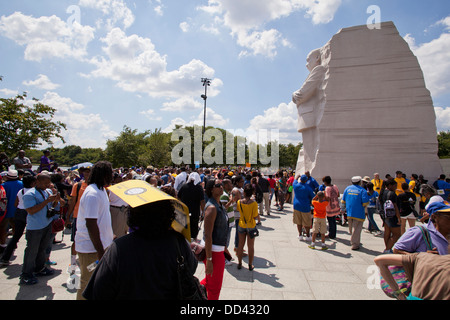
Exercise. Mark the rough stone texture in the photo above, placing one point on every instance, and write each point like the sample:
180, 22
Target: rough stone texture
378, 115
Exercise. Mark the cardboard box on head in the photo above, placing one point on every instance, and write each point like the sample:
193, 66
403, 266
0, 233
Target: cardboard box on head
137, 193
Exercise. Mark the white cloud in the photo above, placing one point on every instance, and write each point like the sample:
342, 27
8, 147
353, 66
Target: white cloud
42, 82
434, 58
87, 130
9, 92
442, 118
282, 117
47, 37
321, 11
116, 10
136, 66
184, 26
182, 104
246, 20
150, 115
212, 119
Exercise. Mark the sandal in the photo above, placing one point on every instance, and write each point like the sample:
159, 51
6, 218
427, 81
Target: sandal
251, 267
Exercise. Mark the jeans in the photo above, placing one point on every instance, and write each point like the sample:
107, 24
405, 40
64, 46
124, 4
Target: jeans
34, 257
236, 237
19, 227
332, 227
372, 224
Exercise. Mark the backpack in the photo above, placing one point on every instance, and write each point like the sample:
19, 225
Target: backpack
389, 209
417, 187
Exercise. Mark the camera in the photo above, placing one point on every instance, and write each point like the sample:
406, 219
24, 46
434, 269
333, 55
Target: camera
51, 212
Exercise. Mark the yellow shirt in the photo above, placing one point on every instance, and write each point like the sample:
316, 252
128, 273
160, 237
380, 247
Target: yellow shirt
412, 185
377, 184
248, 212
399, 185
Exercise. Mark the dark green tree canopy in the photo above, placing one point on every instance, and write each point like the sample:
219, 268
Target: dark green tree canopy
26, 127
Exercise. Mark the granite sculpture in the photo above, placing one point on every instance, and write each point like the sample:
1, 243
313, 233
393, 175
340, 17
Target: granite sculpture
365, 108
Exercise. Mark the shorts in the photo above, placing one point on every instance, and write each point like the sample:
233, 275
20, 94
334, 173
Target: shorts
302, 218
392, 222
409, 216
244, 230
320, 225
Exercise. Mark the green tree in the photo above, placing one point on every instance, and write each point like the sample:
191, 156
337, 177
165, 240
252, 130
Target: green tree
157, 150
24, 127
444, 144
127, 149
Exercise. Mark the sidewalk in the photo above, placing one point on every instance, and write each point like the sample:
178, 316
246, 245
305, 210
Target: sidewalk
285, 268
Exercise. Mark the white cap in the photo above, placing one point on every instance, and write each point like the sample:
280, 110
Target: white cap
356, 179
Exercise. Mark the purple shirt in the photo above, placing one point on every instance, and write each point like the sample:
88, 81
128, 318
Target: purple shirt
412, 240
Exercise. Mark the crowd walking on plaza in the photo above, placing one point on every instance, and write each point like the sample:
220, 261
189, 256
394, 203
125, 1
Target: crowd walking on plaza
124, 252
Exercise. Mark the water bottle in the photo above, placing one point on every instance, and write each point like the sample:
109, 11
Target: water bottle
92, 266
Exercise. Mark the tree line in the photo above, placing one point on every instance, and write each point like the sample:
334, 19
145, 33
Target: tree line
25, 127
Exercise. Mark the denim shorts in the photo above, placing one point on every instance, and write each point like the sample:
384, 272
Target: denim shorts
392, 222
245, 230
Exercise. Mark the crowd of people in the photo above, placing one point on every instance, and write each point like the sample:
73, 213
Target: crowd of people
110, 237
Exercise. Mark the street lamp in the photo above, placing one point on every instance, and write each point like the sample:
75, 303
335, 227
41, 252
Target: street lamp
206, 83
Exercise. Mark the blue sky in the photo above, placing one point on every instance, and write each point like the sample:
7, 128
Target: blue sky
104, 64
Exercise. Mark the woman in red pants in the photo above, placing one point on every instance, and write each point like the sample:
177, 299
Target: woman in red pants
215, 238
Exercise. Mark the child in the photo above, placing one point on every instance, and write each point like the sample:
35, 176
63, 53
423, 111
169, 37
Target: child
320, 203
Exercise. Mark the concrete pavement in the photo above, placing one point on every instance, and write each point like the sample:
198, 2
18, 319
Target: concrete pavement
285, 268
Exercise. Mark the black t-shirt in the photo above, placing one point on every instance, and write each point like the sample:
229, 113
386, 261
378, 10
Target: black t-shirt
137, 268
191, 195
388, 195
405, 203
264, 184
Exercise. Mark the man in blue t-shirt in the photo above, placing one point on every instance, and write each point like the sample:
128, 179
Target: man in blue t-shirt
38, 203
443, 187
355, 199
302, 217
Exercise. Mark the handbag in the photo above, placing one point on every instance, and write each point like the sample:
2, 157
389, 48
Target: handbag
189, 287
253, 233
58, 225
198, 250
399, 274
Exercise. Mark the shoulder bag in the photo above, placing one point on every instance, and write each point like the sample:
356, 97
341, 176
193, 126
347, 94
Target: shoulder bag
399, 274
189, 287
253, 233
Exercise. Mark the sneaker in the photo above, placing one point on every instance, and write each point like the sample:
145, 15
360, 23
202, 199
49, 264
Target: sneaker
300, 238
28, 280
312, 246
45, 272
50, 263
308, 239
324, 247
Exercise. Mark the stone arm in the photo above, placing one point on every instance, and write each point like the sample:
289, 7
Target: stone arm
309, 88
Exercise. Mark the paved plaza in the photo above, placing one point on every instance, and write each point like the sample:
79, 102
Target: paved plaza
285, 268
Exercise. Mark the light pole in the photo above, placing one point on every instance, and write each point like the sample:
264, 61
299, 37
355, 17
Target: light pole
206, 83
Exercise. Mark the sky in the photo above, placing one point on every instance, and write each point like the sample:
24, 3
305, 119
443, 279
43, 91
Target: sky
106, 64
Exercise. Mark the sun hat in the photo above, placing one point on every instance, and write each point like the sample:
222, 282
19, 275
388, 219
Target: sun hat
12, 174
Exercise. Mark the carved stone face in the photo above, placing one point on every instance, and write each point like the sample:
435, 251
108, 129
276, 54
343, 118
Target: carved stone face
313, 60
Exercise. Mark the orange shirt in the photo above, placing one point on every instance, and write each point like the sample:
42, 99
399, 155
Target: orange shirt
74, 194
320, 209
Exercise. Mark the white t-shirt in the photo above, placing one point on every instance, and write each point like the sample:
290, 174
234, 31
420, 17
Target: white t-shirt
94, 204
20, 195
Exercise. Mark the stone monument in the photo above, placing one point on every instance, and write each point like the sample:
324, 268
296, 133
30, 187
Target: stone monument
365, 108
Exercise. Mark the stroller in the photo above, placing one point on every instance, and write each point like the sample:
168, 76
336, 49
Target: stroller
341, 218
